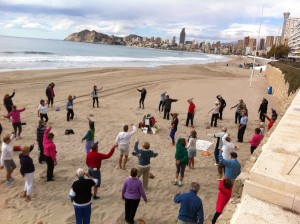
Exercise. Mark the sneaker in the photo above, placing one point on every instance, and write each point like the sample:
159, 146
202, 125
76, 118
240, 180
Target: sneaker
175, 182
9, 182
180, 184
216, 164
95, 197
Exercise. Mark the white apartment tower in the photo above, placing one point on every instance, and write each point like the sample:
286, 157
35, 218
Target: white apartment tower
294, 42
288, 27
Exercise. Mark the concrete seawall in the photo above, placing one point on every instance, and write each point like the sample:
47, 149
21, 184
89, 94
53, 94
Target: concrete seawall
268, 189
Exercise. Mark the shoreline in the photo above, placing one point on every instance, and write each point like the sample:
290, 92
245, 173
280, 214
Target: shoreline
118, 106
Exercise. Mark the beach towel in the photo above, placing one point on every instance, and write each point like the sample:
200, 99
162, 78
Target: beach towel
203, 145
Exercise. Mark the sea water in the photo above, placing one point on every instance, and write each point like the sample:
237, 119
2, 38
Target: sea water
28, 53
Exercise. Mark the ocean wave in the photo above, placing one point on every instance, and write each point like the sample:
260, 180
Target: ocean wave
27, 52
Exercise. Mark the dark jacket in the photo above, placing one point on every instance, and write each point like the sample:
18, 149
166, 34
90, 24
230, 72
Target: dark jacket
81, 190
40, 133
143, 93
144, 155
222, 102
168, 103
181, 153
263, 108
26, 162
7, 101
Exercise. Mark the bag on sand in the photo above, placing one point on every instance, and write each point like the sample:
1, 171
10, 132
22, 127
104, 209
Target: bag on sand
69, 132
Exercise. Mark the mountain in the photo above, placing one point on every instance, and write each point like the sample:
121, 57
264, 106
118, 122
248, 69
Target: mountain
95, 37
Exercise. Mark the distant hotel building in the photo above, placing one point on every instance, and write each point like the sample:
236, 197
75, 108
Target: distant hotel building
262, 44
288, 27
182, 36
246, 41
277, 41
294, 42
269, 42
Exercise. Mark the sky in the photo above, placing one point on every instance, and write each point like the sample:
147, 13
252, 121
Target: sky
203, 20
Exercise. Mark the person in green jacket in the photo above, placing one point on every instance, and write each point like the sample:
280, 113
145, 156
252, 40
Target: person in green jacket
89, 136
182, 160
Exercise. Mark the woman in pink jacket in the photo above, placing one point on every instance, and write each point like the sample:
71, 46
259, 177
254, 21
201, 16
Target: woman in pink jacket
16, 120
49, 152
256, 139
225, 190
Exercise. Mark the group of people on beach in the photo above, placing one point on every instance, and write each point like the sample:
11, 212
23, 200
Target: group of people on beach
191, 208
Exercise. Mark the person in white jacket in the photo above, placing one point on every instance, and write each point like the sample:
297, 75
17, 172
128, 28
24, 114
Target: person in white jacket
123, 141
7, 157
227, 148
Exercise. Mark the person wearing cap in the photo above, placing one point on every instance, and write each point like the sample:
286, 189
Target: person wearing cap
232, 166
215, 114
144, 156
123, 141
93, 161
222, 103
162, 101
81, 196
94, 95
242, 127
174, 125
168, 103
89, 136
143, 96
191, 113
241, 106
191, 207
27, 170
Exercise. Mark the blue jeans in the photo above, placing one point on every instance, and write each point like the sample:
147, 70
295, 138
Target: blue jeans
172, 135
83, 214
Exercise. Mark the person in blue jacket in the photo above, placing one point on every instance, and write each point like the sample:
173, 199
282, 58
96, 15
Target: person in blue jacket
191, 207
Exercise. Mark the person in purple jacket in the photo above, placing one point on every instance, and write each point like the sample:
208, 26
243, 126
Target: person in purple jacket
132, 192
27, 170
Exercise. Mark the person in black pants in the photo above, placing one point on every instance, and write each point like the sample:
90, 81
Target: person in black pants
215, 114
162, 102
49, 152
191, 113
263, 108
50, 94
222, 106
242, 127
7, 101
39, 138
69, 107
143, 96
168, 103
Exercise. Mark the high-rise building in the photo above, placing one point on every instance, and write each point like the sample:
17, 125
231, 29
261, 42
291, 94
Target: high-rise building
262, 44
288, 27
246, 41
277, 41
182, 36
174, 40
157, 40
252, 43
240, 45
151, 39
269, 42
294, 42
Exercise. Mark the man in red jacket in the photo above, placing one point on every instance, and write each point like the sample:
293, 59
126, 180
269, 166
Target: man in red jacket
93, 161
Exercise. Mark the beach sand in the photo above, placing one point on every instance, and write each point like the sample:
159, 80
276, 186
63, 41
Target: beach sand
118, 106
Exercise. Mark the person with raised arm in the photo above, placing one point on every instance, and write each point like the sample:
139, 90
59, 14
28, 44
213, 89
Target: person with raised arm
7, 101
168, 103
123, 141
215, 114
94, 95
93, 161
162, 102
143, 96
16, 120
89, 136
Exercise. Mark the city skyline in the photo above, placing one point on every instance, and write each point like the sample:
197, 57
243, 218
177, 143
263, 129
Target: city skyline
221, 21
